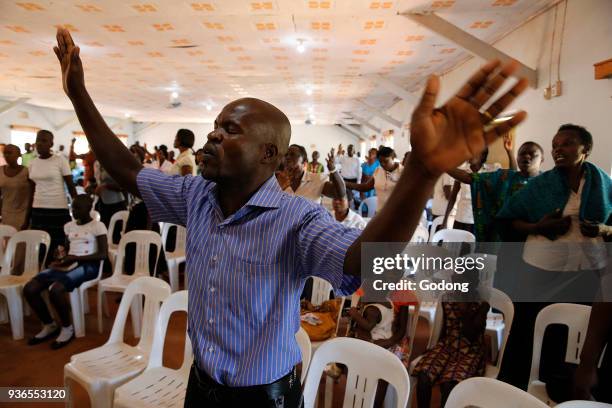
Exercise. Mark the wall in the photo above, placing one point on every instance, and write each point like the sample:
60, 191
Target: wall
585, 101
45, 118
313, 137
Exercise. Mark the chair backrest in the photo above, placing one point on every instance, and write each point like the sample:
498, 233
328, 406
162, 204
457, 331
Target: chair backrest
438, 222
321, 290
367, 363
575, 317
413, 321
583, 404
487, 274
453, 235
306, 349
6, 232
487, 392
118, 217
143, 241
174, 303
370, 203
155, 291
420, 234
180, 241
95, 215
32, 239
502, 302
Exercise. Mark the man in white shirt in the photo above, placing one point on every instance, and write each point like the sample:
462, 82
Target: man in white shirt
350, 170
347, 217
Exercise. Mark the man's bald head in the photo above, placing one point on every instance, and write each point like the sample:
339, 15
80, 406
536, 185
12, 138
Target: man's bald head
249, 141
265, 121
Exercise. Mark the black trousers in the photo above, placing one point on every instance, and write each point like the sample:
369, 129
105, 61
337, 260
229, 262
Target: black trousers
204, 392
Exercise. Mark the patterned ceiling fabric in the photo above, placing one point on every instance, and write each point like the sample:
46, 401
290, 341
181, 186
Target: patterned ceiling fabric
137, 53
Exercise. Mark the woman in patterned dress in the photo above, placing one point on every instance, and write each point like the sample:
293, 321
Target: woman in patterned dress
459, 354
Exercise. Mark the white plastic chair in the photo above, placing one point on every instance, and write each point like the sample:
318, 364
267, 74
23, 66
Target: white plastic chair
176, 257
321, 290
101, 370
576, 318
118, 217
79, 302
6, 232
370, 203
420, 234
583, 404
502, 302
454, 239
437, 222
11, 286
496, 322
118, 282
306, 349
366, 363
489, 393
95, 215
159, 386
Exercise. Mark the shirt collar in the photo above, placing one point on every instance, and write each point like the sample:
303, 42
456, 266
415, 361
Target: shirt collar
268, 195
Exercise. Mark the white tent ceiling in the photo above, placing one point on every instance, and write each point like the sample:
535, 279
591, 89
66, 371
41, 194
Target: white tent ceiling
137, 53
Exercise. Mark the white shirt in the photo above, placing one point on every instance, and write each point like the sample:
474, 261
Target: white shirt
350, 167
354, 220
184, 159
166, 166
311, 187
384, 183
439, 202
571, 251
465, 213
383, 329
83, 238
48, 174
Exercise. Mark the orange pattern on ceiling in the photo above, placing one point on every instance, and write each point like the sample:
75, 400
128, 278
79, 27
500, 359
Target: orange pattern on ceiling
212, 52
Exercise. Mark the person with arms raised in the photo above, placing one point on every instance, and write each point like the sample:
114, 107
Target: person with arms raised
250, 246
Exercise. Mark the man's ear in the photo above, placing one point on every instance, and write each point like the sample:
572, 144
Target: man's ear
270, 153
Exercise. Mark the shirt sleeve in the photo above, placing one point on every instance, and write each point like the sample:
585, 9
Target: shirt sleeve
323, 243
100, 229
165, 196
65, 167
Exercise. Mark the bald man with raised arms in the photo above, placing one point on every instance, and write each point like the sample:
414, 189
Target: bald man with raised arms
250, 246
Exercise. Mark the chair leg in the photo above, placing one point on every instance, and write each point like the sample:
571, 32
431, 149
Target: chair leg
15, 306
136, 313
84, 301
173, 274
100, 301
4, 317
77, 313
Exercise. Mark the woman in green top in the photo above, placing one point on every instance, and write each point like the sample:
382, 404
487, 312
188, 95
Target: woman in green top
490, 190
314, 166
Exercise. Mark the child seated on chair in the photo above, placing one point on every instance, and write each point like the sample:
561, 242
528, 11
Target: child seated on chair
86, 240
461, 351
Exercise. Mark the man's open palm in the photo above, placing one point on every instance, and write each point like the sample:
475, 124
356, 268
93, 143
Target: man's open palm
67, 53
444, 138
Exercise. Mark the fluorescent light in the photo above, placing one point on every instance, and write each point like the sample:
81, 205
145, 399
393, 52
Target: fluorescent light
127, 115
174, 95
208, 107
309, 91
301, 48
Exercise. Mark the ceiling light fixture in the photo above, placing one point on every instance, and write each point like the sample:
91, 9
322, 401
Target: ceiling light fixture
208, 107
301, 48
308, 91
174, 95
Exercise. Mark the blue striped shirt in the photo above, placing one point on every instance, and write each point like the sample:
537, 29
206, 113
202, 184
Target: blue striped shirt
246, 272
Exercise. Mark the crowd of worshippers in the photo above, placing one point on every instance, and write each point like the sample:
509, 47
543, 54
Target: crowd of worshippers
248, 156
493, 203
